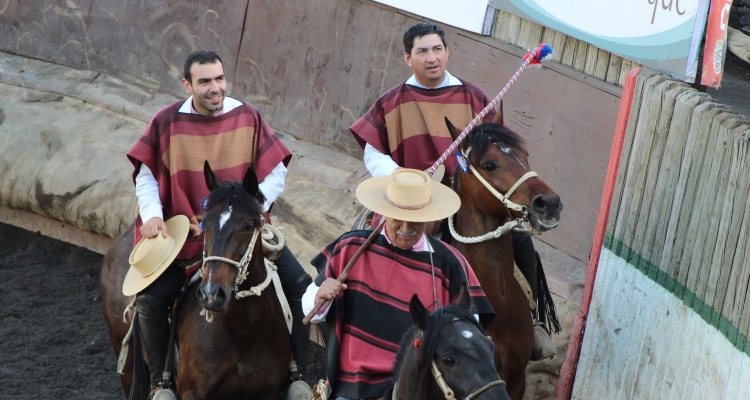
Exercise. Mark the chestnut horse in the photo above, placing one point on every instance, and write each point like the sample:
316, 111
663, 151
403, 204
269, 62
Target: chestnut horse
450, 346
244, 352
498, 155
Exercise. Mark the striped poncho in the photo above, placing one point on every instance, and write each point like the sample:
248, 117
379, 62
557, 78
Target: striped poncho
367, 322
408, 122
175, 146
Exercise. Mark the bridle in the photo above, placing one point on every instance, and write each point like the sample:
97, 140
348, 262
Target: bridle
448, 392
513, 224
242, 269
267, 232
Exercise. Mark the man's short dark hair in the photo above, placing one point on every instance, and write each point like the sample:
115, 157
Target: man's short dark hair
419, 30
200, 57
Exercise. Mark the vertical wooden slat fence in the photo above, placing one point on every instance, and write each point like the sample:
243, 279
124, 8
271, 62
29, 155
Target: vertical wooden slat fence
567, 50
669, 316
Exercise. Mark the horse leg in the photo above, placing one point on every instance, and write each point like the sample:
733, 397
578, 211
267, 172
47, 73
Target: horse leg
517, 376
114, 267
510, 364
295, 280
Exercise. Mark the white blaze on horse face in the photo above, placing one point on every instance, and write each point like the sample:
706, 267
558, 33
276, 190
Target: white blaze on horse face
467, 334
224, 217
509, 151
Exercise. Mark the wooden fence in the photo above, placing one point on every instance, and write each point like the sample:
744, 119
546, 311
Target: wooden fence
670, 315
574, 53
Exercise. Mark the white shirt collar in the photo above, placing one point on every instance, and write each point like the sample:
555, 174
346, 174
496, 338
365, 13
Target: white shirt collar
229, 105
449, 80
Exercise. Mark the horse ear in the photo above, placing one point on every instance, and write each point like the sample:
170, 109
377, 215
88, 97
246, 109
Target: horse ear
212, 181
499, 116
250, 182
452, 129
419, 314
464, 299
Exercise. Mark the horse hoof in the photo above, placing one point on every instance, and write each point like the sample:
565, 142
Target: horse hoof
299, 390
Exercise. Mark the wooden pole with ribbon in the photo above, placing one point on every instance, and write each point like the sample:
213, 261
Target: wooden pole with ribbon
535, 56
324, 304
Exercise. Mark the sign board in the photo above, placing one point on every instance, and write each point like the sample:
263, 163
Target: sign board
662, 34
715, 49
469, 15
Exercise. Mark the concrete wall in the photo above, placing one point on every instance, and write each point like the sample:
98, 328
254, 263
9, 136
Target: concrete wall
313, 66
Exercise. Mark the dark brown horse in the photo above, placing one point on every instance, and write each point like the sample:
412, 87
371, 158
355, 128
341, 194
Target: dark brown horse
244, 352
498, 156
450, 346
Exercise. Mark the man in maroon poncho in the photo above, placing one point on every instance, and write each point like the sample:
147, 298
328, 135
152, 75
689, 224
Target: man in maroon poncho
370, 311
406, 128
168, 161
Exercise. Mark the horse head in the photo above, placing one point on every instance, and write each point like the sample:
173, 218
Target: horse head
232, 249
447, 352
498, 156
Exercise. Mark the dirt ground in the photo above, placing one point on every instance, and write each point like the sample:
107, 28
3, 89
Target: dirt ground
55, 344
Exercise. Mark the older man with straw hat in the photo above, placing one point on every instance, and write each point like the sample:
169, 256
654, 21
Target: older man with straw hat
370, 312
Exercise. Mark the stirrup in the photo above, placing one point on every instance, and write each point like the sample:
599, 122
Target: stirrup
299, 390
544, 347
159, 393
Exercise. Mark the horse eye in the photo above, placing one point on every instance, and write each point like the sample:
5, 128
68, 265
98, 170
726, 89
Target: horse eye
489, 166
449, 361
248, 226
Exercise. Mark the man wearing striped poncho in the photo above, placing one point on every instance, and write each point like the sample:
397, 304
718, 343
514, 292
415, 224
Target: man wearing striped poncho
368, 319
168, 173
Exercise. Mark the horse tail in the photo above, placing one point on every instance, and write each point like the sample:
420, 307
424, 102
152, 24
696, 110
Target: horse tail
545, 303
141, 384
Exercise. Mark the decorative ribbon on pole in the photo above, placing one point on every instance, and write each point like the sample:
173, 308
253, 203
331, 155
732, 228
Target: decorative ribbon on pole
535, 56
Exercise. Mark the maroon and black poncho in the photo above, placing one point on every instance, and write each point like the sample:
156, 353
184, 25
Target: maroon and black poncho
367, 322
408, 122
175, 146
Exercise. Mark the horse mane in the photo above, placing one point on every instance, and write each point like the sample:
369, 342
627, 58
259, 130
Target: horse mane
482, 136
235, 194
440, 317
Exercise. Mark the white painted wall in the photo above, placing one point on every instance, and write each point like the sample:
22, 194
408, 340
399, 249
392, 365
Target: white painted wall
641, 342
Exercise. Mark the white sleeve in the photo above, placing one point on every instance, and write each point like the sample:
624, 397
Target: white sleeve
272, 185
308, 302
377, 163
147, 192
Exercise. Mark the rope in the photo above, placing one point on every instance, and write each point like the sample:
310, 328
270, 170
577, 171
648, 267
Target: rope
447, 391
267, 232
507, 227
505, 199
540, 53
270, 233
484, 388
258, 289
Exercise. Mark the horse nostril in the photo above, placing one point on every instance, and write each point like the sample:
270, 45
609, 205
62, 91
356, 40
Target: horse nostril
200, 295
541, 203
220, 297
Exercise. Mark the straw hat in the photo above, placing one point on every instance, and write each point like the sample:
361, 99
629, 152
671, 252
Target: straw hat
408, 195
151, 257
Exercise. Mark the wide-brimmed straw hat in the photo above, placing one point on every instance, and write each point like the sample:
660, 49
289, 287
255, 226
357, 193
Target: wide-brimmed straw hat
408, 195
151, 257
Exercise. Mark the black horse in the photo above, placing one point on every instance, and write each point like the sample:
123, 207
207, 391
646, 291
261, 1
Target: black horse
446, 354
